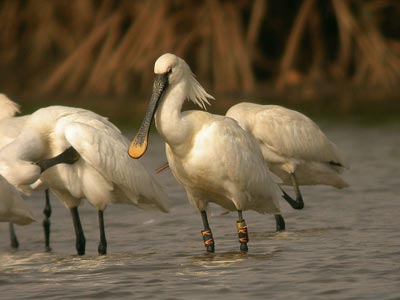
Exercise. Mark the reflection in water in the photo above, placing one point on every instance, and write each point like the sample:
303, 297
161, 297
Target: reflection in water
215, 264
297, 234
215, 259
343, 245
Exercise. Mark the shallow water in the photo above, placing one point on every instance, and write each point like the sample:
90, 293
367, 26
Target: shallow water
345, 244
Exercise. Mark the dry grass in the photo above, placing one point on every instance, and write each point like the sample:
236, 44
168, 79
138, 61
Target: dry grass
108, 47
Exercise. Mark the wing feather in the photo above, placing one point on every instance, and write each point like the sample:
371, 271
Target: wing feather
105, 149
292, 134
12, 207
235, 166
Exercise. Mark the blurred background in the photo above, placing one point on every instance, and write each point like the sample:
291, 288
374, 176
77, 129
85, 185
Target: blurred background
332, 57
337, 61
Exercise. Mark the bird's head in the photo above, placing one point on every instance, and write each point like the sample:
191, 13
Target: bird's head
169, 70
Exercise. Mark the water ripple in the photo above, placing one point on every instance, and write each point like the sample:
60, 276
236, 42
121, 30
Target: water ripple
343, 245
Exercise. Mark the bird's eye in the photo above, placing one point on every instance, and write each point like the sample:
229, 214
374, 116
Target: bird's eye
169, 70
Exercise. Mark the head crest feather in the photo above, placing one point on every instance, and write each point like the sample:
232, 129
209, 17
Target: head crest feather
196, 93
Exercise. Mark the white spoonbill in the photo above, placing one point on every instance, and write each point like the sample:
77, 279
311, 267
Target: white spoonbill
10, 127
293, 146
103, 172
211, 156
12, 207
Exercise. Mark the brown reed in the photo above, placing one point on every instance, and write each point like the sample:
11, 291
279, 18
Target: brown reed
109, 47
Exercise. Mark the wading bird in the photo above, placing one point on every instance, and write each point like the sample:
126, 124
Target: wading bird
10, 127
100, 169
293, 146
13, 208
211, 156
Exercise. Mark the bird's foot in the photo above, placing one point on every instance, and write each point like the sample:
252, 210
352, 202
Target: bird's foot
295, 204
102, 249
280, 223
80, 246
46, 229
14, 243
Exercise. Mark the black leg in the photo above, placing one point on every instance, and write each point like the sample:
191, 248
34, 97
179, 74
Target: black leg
280, 223
102, 249
13, 236
242, 232
46, 221
298, 203
207, 234
80, 237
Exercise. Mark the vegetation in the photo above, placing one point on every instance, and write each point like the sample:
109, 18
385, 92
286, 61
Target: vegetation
106, 47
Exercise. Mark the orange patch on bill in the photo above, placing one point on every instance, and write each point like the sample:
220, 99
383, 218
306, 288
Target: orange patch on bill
137, 150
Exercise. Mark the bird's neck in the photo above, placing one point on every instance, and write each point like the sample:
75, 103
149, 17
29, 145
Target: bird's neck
168, 119
27, 146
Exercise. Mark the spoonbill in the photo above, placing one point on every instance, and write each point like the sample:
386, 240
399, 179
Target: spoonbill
100, 170
13, 208
293, 146
10, 127
213, 158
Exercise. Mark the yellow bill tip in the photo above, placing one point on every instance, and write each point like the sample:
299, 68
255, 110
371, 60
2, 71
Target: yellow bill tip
137, 150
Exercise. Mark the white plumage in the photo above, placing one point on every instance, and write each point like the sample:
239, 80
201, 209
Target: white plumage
104, 173
8, 108
292, 143
12, 207
222, 165
210, 155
